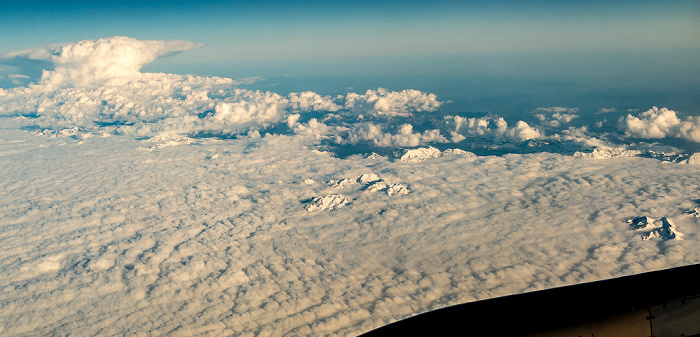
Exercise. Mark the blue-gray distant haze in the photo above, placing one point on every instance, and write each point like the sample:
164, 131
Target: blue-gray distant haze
507, 85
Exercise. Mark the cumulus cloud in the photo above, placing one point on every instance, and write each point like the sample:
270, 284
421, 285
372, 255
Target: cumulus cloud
404, 137
581, 135
564, 118
314, 128
94, 62
491, 127
660, 123
157, 103
556, 119
96, 86
523, 131
384, 102
311, 101
246, 105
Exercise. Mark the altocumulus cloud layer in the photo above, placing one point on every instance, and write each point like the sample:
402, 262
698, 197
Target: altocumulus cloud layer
141, 203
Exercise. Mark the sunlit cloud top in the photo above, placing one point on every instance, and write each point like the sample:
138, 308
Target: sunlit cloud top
91, 62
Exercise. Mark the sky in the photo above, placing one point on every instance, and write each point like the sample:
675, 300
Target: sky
466, 51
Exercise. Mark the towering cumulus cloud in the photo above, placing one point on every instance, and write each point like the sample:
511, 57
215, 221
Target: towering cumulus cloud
94, 62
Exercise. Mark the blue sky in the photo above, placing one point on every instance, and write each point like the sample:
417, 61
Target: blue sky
618, 43
280, 31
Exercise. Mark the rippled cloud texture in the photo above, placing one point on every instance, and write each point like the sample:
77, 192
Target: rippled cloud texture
162, 204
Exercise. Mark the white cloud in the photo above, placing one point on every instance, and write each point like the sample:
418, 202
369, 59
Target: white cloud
292, 120
405, 137
660, 123
581, 135
491, 127
17, 78
523, 131
245, 106
558, 110
96, 86
315, 129
384, 102
557, 117
97, 62
606, 110
479, 126
157, 103
456, 137
311, 101
249, 80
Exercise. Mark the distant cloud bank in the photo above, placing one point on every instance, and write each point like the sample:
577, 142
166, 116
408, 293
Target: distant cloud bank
96, 87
